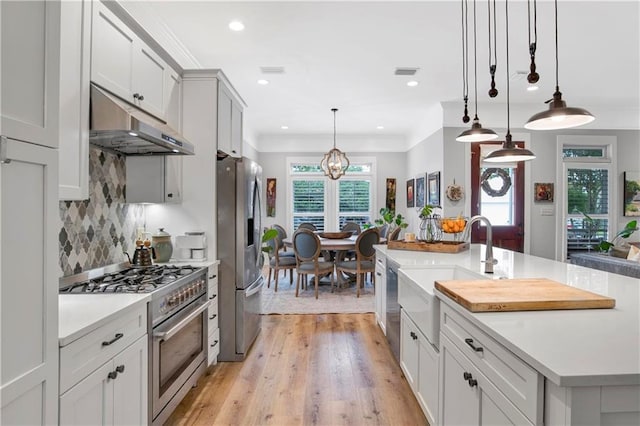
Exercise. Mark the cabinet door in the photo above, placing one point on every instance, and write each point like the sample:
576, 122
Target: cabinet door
173, 178
148, 80
381, 291
112, 52
130, 386
29, 276
409, 350
173, 103
30, 70
75, 61
90, 402
224, 119
460, 403
428, 378
236, 130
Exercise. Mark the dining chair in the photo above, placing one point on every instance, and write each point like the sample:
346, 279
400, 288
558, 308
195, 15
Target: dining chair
395, 234
277, 262
282, 234
365, 258
306, 246
352, 227
307, 225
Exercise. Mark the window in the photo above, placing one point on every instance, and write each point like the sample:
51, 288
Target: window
587, 192
326, 203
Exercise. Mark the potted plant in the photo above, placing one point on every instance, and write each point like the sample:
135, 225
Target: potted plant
617, 247
391, 219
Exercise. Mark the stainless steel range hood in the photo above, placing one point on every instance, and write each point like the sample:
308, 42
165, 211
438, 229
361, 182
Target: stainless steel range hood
118, 126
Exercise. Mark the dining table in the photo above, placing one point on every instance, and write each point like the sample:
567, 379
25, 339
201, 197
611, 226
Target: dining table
338, 248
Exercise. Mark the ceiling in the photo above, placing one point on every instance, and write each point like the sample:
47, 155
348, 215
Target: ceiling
344, 54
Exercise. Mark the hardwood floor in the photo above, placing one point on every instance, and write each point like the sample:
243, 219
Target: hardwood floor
327, 369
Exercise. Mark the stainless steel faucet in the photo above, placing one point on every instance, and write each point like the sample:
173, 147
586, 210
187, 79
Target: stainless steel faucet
489, 261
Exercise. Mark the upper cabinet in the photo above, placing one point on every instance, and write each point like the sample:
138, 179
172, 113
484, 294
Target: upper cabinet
30, 70
75, 62
173, 107
123, 64
229, 121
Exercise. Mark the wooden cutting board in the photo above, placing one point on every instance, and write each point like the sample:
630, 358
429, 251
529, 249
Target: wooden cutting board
524, 294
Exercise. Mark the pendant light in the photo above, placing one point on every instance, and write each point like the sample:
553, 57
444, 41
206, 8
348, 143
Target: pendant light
559, 115
509, 151
465, 60
476, 133
335, 162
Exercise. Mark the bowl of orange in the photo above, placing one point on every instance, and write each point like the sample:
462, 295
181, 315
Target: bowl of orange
453, 225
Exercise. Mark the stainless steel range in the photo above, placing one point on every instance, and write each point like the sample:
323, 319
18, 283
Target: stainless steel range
177, 323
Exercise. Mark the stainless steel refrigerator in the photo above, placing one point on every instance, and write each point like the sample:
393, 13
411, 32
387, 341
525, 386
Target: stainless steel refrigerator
240, 281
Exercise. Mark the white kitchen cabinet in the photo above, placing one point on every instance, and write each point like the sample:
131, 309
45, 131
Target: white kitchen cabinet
29, 275
468, 396
124, 65
75, 62
154, 179
381, 291
419, 362
30, 71
229, 122
173, 106
113, 394
213, 348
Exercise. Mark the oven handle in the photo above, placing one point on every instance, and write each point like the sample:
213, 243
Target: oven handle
162, 334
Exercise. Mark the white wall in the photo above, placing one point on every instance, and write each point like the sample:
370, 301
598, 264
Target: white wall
388, 165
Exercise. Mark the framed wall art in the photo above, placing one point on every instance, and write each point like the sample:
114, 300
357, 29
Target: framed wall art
391, 194
433, 185
420, 191
543, 192
411, 192
631, 194
271, 197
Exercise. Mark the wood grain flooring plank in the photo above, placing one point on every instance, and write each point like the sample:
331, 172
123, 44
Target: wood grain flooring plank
328, 369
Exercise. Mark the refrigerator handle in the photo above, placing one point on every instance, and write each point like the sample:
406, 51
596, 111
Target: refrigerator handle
257, 223
254, 288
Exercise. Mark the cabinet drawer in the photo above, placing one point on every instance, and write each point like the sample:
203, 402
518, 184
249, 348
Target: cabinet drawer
212, 315
79, 358
381, 262
214, 347
518, 381
212, 284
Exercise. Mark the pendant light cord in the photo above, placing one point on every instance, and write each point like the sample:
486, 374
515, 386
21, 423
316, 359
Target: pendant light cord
465, 58
506, 8
334, 126
556, 13
533, 76
475, 62
493, 59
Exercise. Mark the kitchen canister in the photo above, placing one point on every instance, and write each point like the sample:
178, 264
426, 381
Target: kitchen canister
161, 242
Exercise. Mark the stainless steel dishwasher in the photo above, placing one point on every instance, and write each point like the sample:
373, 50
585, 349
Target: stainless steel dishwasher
393, 309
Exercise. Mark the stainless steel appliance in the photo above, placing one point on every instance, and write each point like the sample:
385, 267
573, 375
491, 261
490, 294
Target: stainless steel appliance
177, 323
239, 186
393, 309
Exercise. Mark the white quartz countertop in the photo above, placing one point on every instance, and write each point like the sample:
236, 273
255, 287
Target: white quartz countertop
79, 314
589, 347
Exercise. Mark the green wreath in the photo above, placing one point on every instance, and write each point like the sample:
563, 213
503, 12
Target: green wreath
502, 174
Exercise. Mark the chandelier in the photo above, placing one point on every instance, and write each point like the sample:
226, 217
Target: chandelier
335, 162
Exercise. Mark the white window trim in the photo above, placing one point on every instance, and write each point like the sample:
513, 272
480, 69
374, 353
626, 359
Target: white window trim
609, 143
331, 191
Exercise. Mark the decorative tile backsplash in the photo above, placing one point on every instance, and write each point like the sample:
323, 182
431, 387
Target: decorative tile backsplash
96, 232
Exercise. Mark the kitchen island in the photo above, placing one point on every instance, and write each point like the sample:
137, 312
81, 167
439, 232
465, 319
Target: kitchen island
557, 367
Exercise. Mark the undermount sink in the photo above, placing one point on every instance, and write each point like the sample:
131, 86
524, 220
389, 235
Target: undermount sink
417, 298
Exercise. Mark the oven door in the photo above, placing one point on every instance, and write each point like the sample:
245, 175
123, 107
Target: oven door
178, 347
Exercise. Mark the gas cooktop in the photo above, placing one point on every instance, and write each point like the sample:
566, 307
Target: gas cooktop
126, 279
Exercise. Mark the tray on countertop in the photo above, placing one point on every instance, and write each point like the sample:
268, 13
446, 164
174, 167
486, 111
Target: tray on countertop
523, 294
439, 247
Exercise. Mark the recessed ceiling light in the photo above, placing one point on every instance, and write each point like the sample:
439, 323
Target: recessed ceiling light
380, 127
532, 88
263, 82
284, 127
236, 26
412, 83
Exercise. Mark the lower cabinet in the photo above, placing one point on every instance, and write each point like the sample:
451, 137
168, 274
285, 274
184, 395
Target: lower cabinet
213, 348
419, 362
114, 394
468, 397
381, 290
